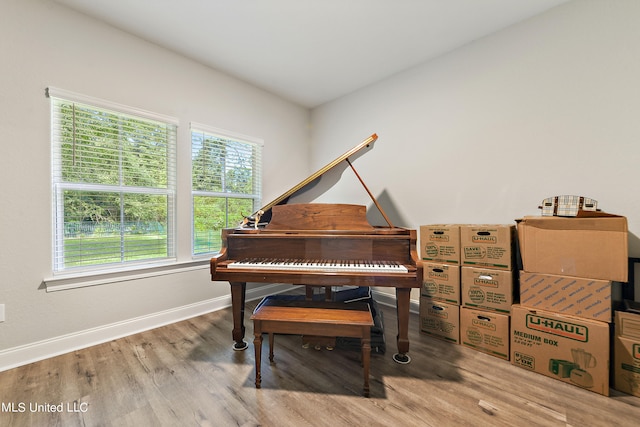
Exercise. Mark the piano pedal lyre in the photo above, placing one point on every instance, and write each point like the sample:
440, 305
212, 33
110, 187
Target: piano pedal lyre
318, 342
310, 292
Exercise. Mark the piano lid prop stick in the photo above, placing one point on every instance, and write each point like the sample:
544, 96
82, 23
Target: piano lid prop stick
386, 218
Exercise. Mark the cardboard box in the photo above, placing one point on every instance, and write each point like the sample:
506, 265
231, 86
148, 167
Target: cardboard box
626, 353
440, 243
487, 245
441, 282
489, 289
440, 320
591, 247
568, 348
628, 323
485, 331
590, 298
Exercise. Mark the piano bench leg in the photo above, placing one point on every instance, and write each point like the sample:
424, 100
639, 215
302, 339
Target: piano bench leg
257, 343
271, 344
366, 358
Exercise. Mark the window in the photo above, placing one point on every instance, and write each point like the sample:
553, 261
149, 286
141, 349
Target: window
226, 183
114, 183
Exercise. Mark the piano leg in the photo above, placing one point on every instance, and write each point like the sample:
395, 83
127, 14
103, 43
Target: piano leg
402, 310
238, 294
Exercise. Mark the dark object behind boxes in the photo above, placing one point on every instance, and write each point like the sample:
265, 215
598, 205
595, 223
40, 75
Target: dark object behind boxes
591, 247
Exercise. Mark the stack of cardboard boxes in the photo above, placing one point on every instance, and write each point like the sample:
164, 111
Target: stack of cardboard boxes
440, 292
468, 284
488, 288
561, 328
555, 317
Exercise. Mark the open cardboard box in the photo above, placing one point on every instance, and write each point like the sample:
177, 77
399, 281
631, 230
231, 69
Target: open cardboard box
591, 247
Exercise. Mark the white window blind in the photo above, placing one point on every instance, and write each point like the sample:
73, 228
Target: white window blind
114, 183
226, 183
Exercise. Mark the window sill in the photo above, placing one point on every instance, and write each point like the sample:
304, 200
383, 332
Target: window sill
66, 282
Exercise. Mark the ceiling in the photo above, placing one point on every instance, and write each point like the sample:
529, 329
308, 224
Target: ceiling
311, 51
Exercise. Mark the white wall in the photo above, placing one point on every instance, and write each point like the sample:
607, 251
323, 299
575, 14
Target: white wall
482, 135
43, 44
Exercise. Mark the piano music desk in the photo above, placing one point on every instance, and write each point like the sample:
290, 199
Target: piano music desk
313, 318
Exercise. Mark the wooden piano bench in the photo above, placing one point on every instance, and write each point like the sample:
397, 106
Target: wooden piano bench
321, 318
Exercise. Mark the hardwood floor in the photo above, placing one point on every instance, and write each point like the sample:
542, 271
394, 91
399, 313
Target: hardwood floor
187, 374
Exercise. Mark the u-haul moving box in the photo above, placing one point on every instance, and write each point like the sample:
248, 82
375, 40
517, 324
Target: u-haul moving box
485, 331
488, 245
626, 353
441, 282
488, 289
571, 349
440, 319
590, 247
440, 243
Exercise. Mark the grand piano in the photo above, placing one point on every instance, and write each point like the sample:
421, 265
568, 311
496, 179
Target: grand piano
316, 244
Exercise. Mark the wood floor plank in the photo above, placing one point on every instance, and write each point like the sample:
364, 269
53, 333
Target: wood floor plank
187, 374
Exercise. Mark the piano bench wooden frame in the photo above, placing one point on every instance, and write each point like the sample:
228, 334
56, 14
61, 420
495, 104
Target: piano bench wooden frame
313, 318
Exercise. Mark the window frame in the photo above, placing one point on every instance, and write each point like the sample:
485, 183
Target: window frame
58, 187
215, 132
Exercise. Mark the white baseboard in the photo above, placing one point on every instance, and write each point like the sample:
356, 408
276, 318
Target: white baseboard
385, 298
40, 350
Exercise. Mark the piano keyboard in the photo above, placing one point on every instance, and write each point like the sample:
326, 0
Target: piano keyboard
327, 266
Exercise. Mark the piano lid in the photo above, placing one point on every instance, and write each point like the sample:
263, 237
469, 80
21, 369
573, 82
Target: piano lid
331, 171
